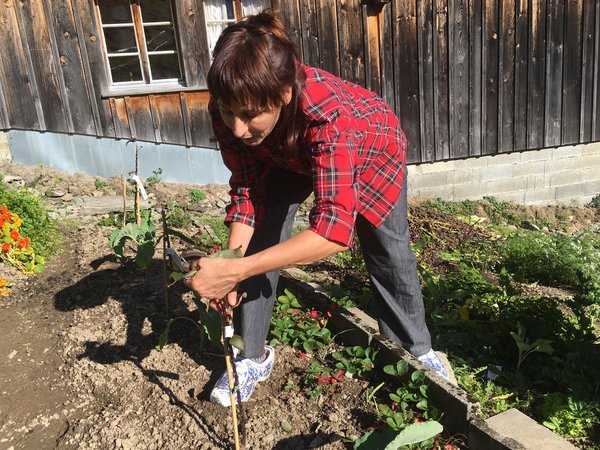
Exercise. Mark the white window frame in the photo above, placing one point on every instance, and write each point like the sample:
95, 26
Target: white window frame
147, 84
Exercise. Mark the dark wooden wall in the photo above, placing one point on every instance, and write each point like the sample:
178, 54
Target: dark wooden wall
466, 77
52, 78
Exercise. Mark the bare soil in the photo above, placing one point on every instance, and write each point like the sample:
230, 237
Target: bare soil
79, 368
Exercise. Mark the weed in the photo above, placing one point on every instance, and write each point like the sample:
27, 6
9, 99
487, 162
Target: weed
556, 260
154, 179
99, 183
116, 219
178, 217
197, 195
526, 348
352, 259
493, 398
219, 232
595, 202
569, 417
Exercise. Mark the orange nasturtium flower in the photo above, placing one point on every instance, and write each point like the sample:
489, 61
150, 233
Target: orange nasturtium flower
23, 243
16, 220
5, 247
4, 287
5, 213
14, 234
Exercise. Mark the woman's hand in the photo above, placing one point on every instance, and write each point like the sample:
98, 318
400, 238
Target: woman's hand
215, 279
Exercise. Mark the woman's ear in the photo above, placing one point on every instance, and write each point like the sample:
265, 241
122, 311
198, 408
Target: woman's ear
286, 95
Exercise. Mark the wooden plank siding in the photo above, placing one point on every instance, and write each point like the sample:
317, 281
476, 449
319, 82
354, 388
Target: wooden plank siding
465, 77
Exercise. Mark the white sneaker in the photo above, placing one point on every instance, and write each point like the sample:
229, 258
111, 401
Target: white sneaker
249, 374
431, 360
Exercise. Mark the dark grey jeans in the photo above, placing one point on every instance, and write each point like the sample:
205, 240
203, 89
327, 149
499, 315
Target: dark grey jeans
390, 261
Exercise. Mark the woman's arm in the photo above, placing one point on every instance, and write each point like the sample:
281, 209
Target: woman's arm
217, 277
239, 236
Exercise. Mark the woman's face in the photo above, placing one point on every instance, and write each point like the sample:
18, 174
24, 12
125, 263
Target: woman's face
251, 125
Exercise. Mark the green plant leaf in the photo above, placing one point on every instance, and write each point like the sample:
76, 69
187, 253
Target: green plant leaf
308, 346
180, 235
230, 253
415, 433
164, 337
238, 342
375, 440
145, 252
176, 276
286, 426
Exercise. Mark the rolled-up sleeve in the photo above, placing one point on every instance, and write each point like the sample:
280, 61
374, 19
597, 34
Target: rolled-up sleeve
336, 189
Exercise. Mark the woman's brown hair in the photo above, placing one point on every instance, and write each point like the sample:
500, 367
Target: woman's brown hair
253, 61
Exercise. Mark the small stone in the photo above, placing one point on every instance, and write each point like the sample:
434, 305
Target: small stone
54, 193
221, 204
67, 197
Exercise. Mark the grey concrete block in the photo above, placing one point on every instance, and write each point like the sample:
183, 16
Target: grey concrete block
526, 431
430, 180
497, 172
482, 436
567, 151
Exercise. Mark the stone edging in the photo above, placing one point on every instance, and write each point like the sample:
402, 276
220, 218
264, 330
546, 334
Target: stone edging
510, 430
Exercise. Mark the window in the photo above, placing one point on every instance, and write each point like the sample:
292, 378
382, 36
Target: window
153, 46
140, 43
220, 13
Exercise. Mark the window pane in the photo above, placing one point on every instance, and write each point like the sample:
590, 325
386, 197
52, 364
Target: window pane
219, 9
115, 11
160, 38
125, 68
164, 66
156, 10
120, 40
254, 6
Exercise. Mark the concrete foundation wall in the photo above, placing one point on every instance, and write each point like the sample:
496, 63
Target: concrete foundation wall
4, 148
565, 175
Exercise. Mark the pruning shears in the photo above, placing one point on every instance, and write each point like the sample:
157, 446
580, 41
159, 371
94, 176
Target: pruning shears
183, 263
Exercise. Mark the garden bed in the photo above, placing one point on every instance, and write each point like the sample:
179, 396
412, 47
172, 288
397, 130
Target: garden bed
81, 369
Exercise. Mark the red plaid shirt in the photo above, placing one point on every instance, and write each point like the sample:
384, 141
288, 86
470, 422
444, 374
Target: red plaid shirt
356, 156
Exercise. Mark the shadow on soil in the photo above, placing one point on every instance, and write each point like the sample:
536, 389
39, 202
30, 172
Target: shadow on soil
141, 298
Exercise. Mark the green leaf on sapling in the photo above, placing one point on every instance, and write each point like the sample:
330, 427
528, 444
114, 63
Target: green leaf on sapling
229, 253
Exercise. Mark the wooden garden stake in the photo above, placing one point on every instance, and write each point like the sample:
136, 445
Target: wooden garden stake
233, 382
138, 216
229, 364
166, 244
124, 185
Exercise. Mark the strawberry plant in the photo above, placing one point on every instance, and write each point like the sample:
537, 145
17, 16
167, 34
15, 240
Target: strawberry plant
291, 325
356, 360
320, 379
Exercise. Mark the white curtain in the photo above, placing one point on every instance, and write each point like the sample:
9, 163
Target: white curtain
250, 7
222, 12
